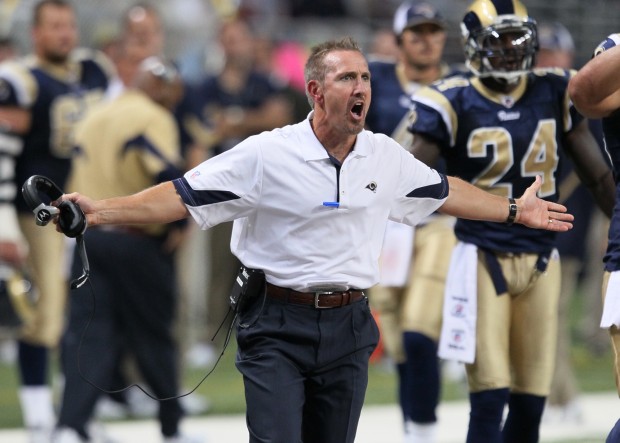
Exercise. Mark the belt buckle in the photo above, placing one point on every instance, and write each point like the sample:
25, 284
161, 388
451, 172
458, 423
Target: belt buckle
317, 294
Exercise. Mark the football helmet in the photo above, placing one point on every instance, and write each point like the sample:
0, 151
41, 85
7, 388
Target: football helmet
500, 39
611, 41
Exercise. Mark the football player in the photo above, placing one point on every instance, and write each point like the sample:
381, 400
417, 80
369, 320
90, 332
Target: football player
410, 310
595, 91
13, 247
498, 129
42, 97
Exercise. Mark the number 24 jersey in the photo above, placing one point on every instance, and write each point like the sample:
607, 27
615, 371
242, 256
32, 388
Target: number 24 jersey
500, 143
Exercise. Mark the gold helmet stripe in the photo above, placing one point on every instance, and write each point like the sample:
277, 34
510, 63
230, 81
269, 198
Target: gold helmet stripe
487, 11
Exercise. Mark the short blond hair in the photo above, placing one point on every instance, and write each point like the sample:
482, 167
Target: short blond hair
316, 69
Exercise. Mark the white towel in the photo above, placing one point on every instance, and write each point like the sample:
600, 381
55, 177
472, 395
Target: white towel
458, 330
395, 260
611, 307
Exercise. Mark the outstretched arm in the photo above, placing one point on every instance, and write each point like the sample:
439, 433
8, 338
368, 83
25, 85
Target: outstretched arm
158, 204
595, 89
467, 201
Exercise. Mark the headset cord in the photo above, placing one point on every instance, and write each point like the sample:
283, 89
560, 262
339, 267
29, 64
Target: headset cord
116, 391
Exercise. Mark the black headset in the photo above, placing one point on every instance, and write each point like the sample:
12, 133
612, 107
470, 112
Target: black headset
71, 218
72, 223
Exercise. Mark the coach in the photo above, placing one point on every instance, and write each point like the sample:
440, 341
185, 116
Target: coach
310, 203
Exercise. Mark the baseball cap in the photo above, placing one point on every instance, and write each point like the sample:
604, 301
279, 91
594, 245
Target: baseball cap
411, 14
555, 37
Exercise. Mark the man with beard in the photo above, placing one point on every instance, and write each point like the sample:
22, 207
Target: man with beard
43, 97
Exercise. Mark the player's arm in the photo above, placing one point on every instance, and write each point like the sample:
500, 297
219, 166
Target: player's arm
467, 201
157, 204
591, 167
275, 112
13, 249
14, 119
425, 149
595, 89
19, 91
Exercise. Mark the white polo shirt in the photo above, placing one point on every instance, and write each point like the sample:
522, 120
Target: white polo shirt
281, 188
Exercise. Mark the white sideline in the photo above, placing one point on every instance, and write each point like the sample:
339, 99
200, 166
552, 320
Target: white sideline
378, 424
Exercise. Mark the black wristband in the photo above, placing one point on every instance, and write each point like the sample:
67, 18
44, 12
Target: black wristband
512, 211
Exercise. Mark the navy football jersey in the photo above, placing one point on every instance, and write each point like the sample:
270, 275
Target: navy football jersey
391, 100
57, 100
210, 97
500, 143
611, 129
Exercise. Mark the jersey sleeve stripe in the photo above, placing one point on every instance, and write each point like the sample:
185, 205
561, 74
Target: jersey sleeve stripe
438, 191
10, 144
194, 198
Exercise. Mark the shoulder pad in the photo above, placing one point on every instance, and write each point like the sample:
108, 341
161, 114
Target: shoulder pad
82, 55
550, 71
16, 75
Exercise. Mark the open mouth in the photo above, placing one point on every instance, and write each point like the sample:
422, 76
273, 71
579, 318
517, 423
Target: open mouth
357, 109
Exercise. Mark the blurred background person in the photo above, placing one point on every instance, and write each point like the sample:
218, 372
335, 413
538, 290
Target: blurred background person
409, 298
127, 143
232, 104
581, 249
44, 96
383, 46
141, 36
13, 246
283, 62
557, 48
8, 50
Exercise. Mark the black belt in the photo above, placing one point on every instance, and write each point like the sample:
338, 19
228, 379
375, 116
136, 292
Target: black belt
319, 299
495, 269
